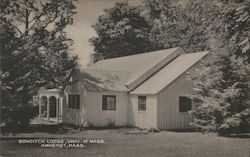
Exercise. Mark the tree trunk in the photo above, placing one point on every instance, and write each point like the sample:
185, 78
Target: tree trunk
27, 13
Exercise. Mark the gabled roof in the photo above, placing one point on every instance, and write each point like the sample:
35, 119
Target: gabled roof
49, 91
146, 73
141, 66
102, 80
169, 73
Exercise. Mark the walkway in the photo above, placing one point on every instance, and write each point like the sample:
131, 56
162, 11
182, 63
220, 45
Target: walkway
45, 121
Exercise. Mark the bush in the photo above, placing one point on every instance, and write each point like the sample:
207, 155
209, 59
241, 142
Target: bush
10, 127
110, 123
24, 114
154, 130
17, 119
239, 123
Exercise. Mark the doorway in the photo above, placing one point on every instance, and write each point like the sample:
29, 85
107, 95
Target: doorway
52, 106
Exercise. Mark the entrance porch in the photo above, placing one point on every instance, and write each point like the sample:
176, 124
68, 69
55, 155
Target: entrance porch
50, 102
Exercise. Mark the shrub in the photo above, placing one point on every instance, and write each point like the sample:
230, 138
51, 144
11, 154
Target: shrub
111, 123
154, 130
17, 119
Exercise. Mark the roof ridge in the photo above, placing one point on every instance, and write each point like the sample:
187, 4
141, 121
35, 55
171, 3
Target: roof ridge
206, 51
149, 52
95, 69
155, 68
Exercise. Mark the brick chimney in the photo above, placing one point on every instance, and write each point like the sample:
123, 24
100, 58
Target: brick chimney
95, 57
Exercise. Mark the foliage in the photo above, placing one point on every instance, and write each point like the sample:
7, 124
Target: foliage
222, 84
34, 51
180, 24
122, 30
237, 28
221, 93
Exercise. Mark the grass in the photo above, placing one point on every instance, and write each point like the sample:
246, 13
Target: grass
130, 142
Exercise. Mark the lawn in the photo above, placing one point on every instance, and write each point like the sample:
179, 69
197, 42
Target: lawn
131, 143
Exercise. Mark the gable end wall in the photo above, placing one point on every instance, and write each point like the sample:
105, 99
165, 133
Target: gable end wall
168, 115
155, 69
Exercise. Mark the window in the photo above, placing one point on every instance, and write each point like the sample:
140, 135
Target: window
185, 104
108, 102
141, 103
74, 101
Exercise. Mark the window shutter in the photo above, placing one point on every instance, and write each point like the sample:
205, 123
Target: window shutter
185, 104
104, 102
74, 101
69, 101
78, 102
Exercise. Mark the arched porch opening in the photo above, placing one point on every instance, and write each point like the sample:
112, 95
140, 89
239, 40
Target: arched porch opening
52, 106
43, 104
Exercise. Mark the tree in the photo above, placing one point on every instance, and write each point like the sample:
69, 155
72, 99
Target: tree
34, 52
237, 27
180, 23
221, 94
222, 84
122, 30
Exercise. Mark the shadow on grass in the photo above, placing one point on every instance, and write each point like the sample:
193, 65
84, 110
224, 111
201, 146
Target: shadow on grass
105, 127
65, 128
236, 135
52, 129
182, 130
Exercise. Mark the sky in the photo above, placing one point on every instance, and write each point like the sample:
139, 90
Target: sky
87, 14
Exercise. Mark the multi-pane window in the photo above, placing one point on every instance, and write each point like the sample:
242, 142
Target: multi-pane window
108, 102
74, 101
185, 104
141, 103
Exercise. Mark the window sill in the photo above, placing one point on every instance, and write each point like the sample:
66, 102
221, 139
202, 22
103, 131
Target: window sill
184, 112
74, 109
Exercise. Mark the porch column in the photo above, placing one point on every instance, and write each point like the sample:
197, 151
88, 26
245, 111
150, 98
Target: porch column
48, 108
40, 107
57, 109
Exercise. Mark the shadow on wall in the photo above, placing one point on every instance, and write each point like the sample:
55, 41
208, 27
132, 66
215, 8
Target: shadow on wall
88, 80
75, 117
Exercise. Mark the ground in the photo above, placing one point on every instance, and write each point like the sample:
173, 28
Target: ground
130, 142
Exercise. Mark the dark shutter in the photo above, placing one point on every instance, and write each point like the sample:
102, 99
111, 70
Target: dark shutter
185, 104
78, 102
104, 102
69, 101
74, 101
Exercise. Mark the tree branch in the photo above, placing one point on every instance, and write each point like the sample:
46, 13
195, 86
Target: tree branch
20, 12
36, 18
15, 27
49, 22
27, 14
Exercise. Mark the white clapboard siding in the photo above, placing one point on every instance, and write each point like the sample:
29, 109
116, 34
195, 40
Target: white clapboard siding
97, 117
75, 116
143, 119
